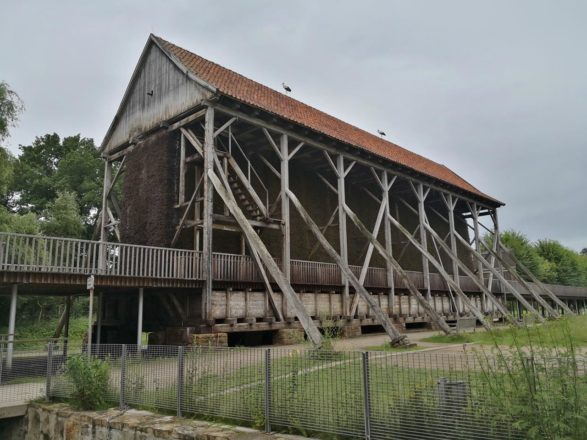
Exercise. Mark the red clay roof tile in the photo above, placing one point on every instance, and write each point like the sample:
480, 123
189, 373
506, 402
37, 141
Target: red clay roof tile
243, 89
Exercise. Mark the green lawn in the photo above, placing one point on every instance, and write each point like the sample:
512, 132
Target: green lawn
559, 333
31, 332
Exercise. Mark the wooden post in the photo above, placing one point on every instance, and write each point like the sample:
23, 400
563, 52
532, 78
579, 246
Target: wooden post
388, 244
436, 264
507, 284
455, 259
495, 246
11, 326
181, 189
140, 319
395, 336
434, 316
207, 214
104, 218
342, 230
99, 321
451, 204
285, 218
475, 213
257, 244
66, 325
423, 240
105, 189
90, 317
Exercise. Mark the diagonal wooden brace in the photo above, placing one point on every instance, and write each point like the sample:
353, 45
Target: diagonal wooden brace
499, 276
536, 281
258, 246
394, 334
433, 314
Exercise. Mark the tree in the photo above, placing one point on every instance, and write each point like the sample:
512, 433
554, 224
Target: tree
21, 224
6, 175
567, 264
10, 108
525, 252
584, 252
51, 165
63, 218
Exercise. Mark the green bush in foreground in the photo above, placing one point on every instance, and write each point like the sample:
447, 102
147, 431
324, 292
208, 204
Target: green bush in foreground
90, 382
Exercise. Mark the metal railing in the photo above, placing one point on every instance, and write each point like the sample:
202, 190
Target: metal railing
371, 395
34, 253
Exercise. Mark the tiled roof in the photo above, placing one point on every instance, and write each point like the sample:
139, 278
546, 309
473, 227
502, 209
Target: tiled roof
243, 89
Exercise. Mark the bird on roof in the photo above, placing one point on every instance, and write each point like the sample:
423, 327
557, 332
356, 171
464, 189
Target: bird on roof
286, 87
381, 133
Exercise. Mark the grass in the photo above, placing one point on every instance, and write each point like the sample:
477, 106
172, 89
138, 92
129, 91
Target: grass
45, 329
549, 334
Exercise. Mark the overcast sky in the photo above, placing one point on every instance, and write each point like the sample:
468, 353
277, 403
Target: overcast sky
496, 90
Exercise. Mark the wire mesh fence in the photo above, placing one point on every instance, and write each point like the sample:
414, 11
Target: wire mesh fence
373, 395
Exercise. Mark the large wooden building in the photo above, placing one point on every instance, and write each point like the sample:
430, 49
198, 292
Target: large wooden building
233, 209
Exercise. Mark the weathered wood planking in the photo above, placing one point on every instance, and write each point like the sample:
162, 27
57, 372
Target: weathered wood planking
173, 93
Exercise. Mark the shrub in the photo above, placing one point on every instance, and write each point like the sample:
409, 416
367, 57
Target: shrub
90, 382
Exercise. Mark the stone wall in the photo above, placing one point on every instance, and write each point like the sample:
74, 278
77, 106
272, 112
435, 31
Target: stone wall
59, 422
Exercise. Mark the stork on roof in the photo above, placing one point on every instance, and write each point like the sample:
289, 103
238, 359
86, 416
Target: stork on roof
286, 87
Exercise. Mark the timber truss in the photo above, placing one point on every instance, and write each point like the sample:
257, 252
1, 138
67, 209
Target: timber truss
236, 154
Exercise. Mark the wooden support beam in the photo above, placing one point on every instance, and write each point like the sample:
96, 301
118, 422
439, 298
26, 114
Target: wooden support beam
367, 260
395, 336
256, 243
539, 283
455, 259
187, 120
424, 302
271, 295
342, 229
270, 166
224, 126
421, 195
193, 140
323, 230
434, 316
295, 150
178, 307
106, 187
451, 204
508, 285
285, 217
385, 187
272, 142
186, 212
208, 153
514, 273
182, 171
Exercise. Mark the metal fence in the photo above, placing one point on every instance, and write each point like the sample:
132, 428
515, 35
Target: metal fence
372, 395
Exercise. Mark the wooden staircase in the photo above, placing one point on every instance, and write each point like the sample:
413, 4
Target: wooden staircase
244, 198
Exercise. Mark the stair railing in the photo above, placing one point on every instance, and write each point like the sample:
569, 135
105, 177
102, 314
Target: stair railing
251, 171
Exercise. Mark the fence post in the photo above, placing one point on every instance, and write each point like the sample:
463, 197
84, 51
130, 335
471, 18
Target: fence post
1, 356
366, 395
180, 375
267, 390
121, 403
49, 370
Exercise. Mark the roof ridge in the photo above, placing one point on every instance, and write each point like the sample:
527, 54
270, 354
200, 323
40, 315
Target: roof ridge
287, 97
242, 88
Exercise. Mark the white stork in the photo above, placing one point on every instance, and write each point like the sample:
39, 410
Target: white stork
381, 133
286, 87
